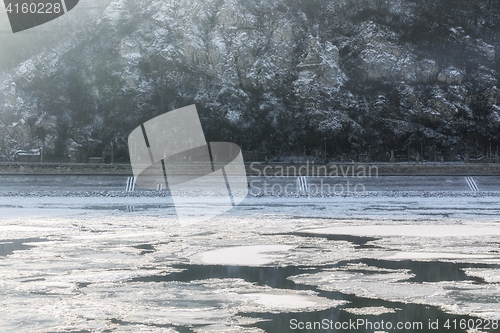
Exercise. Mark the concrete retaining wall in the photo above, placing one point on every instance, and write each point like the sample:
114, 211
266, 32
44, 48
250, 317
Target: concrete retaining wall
256, 169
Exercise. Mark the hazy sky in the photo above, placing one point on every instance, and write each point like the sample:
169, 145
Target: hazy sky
15, 48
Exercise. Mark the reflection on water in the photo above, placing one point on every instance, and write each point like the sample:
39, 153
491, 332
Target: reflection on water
427, 271
178, 328
277, 277
360, 242
146, 248
7, 247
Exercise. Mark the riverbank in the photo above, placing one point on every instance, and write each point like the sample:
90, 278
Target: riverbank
262, 169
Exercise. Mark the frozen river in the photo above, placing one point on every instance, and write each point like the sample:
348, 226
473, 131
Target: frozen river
82, 256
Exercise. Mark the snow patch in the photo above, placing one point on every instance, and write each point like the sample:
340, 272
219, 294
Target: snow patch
243, 255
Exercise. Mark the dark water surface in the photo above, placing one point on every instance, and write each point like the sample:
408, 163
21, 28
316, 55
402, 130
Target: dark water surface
8, 247
277, 277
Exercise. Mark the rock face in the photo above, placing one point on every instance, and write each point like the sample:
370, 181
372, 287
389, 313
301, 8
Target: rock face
274, 76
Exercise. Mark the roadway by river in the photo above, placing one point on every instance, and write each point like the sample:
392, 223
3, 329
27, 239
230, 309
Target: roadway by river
11, 183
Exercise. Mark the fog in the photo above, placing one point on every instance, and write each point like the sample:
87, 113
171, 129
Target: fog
18, 47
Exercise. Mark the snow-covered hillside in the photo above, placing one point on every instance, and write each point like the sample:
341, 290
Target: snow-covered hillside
277, 76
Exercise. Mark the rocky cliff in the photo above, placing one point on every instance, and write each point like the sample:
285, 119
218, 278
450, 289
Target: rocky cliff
359, 77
